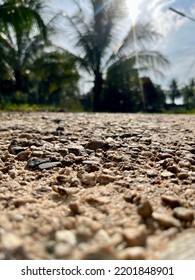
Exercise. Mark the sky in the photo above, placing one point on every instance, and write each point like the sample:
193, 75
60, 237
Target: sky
178, 40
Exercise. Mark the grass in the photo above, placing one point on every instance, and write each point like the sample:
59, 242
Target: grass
181, 111
35, 108
8, 106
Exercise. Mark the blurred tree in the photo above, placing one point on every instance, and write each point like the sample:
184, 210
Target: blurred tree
188, 94
31, 69
154, 96
54, 79
97, 34
121, 92
21, 15
22, 35
174, 92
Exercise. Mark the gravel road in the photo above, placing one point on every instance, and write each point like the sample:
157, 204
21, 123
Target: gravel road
97, 186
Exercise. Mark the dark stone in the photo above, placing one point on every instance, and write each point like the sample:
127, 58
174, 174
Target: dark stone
67, 161
60, 128
171, 201
192, 150
58, 133
57, 120
133, 198
126, 135
48, 165
97, 144
91, 166
14, 150
75, 149
18, 145
164, 155
34, 163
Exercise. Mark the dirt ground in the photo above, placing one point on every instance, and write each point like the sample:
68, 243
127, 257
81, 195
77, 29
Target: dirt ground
97, 186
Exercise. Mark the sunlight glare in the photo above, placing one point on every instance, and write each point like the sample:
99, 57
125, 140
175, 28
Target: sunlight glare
133, 6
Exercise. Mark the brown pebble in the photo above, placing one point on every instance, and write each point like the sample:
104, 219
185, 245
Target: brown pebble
61, 178
88, 179
170, 201
183, 214
105, 179
173, 169
183, 175
134, 253
75, 207
100, 253
96, 144
136, 236
165, 220
133, 198
145, 209
60, 190
22, 201
184, 164
24, 155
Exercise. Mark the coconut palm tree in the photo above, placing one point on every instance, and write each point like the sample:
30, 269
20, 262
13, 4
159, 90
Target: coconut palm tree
22, 36
21, 14
29, 63
101, 34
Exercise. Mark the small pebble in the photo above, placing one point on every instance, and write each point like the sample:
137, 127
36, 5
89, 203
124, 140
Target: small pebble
166, 174
89, 179
62, 250
136, 236
134, 253
171, 201
165, 220
183, 214
144, 209
152, 173
183, 175
66, 236
11, 241
105, 179
17, 217
23, 156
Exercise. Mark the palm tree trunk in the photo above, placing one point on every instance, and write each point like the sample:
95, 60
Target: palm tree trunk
97, 92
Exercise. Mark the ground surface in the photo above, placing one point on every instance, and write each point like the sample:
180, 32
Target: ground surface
97, 186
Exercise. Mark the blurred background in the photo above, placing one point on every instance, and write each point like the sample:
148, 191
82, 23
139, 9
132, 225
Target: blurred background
97, 55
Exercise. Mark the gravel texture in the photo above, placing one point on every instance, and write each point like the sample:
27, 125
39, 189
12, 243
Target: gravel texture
97, 186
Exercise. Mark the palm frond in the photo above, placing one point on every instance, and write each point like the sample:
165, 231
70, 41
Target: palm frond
82, 37
152, 60
21, 16
139, 36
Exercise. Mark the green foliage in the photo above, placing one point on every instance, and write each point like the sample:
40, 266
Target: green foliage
174, 92
188, 93
154, 97
53, 73
22, 35
122, 88
31, 69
